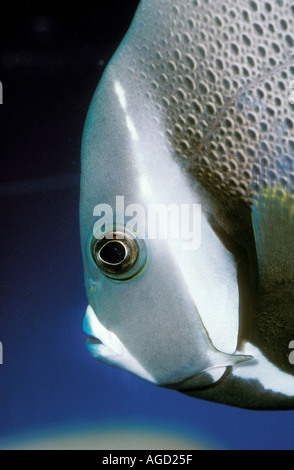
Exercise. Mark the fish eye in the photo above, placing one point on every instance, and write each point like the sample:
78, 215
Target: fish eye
113, 253
119, 255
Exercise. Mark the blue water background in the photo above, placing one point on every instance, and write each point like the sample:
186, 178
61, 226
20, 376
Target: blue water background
48, 380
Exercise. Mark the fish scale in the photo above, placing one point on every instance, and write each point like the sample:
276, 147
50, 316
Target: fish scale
221, 75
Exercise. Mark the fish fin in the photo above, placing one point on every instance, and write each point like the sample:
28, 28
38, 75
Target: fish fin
228, 360
273, 225
208, 376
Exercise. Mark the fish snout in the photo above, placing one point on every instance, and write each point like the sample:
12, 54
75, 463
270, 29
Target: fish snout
107, 347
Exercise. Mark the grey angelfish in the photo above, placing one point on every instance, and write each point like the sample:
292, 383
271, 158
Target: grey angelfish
195, 108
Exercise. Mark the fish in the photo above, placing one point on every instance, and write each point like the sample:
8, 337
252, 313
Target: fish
192, 124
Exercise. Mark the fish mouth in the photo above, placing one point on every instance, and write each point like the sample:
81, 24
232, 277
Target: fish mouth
92, 340
98, 335
90, 327
105, 346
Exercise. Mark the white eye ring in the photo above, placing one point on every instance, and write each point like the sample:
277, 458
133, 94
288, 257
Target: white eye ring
118, 254
113, 253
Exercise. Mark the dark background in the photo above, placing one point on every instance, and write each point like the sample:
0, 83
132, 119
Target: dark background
51, 59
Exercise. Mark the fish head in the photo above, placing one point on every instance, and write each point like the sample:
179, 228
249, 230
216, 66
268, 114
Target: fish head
186, 111
147, 283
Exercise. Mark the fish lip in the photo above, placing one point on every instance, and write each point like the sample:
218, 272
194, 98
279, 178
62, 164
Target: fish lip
92, 339
110, 349
99, 335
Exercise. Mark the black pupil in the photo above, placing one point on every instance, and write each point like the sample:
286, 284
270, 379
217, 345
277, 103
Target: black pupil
113, 253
